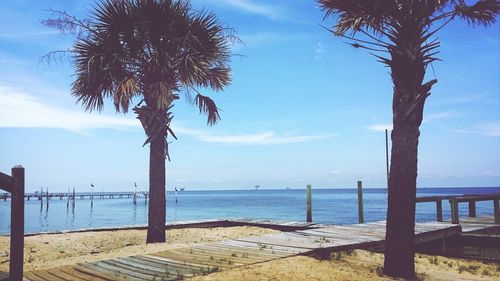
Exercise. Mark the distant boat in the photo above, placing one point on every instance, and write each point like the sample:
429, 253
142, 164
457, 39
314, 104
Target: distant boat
182, 188
257, 187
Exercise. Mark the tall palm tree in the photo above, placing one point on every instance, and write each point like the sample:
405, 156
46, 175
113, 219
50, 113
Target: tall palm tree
400, 33
149, 51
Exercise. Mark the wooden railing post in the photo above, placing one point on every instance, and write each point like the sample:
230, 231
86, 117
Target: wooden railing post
472, 209
308, 204
361, 218
439, 210
496, 210
17, 224
454, 211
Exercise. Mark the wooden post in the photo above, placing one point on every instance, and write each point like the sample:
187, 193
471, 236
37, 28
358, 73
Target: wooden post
496, 210
361, 218
387, 158
454, 211
308, 204
17, 224
472, 209
439, 210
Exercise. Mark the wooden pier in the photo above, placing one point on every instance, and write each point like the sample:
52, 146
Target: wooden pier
309, 239
81, 196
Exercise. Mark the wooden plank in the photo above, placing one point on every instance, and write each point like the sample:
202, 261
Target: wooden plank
174, 269
72, 271
141, 271
33, 277
217, 253
106, 275
6, 182
250, 252
63, 275
179, 263
260, 246
222, 263
129, 273
47, 276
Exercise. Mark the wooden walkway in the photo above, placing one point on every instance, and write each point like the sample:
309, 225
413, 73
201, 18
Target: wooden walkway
202, 259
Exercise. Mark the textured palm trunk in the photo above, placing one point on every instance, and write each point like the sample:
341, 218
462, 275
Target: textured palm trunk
407, 71
399, 249
157, 182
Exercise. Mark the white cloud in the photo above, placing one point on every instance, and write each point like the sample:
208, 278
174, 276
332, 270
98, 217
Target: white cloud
21, 110
427, 118
263, 39
29, 34
436, 116
265, 138
489, 129
380, 127
250, 6
319, 50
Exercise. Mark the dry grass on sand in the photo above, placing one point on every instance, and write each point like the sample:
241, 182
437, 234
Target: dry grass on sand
51, 250
355, 265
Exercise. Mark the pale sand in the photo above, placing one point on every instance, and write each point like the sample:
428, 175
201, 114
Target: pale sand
51, 250
358, 265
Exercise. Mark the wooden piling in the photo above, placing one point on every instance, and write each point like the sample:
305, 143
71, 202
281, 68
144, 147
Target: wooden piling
454, 211
439, 210
361, 218
308, 204
472, 209
496, 210
17, 225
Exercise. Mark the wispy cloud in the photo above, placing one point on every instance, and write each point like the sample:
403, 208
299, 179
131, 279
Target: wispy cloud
21, 110
265, 138
437, 116
253, 7
319, 50
427, 119
380, 127
489, 129
28, 34
263, 39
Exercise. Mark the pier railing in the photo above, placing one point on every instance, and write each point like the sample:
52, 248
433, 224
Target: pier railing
455, 200
14, 184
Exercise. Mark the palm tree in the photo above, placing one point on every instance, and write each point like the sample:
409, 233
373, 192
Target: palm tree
400, 33
149, 51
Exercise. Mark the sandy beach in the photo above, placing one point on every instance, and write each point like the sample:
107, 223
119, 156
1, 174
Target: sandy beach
51, 250
356, 265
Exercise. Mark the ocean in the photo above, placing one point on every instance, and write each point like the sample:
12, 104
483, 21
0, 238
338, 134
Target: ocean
331, 206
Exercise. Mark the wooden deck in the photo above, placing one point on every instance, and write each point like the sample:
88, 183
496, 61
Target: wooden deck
202, 259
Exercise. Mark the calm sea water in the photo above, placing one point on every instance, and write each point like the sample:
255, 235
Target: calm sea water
336, 206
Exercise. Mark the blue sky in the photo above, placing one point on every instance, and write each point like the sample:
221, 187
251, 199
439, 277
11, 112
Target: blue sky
303, 108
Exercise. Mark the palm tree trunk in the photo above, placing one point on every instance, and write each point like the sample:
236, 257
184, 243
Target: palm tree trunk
157, 182
399, 249
407, 71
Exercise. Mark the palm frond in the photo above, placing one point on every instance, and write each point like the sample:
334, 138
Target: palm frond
207, 105
483, 12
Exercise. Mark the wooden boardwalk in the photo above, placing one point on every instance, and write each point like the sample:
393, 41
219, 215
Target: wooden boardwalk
202, 259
